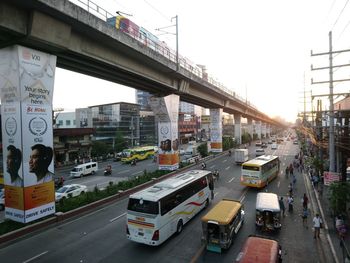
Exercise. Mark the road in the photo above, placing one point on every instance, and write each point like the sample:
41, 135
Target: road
100, 236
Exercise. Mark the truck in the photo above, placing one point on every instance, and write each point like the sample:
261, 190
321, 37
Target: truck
191, 151
241, 156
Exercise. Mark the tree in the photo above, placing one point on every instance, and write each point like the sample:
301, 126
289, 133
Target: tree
100, 149
203, 149
227, 143
119, 142
246, 137
339, 196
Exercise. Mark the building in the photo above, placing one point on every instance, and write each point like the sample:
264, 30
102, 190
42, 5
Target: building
142, 100
65, 120
123, 117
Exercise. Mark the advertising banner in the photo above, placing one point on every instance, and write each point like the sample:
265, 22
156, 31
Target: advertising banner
83, 118
216, 130
330, 177
26, 93
166, 110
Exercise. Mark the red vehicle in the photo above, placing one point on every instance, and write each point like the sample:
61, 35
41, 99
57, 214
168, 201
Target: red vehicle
260, 249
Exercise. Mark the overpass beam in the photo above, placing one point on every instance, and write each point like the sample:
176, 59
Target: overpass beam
238, 128
216, 130
166, 110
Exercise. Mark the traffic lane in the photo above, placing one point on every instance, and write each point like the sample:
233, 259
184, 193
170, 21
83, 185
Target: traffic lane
72, 240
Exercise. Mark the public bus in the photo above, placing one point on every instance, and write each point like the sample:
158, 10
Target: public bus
260, 171
137, 154
159, 211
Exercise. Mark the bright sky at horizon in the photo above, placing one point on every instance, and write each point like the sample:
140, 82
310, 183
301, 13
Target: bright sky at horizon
259, 49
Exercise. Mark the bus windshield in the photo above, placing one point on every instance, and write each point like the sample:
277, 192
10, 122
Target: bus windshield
143, 206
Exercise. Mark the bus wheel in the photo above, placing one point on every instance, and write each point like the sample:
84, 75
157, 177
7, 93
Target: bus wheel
179, 227
206, 203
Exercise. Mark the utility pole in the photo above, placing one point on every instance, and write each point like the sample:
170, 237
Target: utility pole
331, 109
331, 106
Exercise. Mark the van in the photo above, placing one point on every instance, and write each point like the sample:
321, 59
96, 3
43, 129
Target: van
268, 212
84, 169
260, 249
221, 224
241, 156
259, 152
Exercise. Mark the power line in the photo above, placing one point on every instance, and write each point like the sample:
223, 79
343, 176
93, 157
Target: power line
159, 12
341, 12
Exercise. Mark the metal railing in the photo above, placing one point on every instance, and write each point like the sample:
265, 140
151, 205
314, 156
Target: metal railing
164, 50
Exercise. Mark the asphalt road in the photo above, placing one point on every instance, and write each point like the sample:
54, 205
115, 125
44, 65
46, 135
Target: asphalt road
100, 236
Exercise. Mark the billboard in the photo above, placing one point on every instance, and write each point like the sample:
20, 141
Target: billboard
216, 130
26, 83
166, 109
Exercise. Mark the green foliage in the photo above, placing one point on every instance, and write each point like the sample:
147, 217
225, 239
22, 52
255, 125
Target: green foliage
255, 136
227, 143
119, 142
203, 149
100, 149
246, 137
339, 196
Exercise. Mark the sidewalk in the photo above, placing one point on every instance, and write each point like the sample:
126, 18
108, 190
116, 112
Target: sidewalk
329, 236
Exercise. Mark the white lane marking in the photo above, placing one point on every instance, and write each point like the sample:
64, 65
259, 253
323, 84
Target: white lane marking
231, 180
123, 171
216, 194
228, 167
113, 219
278, 184
224, 161
137, 173
35, 257
243, 195
212, 166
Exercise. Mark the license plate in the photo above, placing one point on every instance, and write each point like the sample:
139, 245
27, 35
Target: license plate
141, 234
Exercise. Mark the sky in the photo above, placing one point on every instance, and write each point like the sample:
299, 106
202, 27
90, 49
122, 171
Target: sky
259, 49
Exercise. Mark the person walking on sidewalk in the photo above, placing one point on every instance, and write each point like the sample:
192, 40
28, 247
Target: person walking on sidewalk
305, 201
304, 215
287, 171
283, 208
317, 221
290, 201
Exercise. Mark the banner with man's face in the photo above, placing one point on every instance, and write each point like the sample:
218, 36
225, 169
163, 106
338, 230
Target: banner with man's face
216, 130
26, 85
166, 110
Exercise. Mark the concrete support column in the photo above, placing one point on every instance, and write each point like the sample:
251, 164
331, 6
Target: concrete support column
258, 129
250, 127
216, 130
238, 128
166, 110
268, 130
263, 130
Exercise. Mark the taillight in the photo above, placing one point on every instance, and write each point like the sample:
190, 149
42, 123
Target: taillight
127, 230
155, 235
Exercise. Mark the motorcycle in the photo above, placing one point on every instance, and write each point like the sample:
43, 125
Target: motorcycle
133, 162
59, 182
108, 170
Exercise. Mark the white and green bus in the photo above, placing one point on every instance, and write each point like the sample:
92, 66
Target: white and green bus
159, 211
259, 171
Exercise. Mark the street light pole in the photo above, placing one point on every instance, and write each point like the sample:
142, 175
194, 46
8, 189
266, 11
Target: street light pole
177, 41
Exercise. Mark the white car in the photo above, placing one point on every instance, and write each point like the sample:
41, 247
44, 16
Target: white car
274, 146
259, 152
70, 190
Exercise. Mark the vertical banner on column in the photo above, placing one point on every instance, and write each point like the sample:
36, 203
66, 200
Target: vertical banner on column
11, 134
216, 130
28, 118
166, 111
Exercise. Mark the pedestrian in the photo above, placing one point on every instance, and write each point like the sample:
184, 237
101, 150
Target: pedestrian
287, 171
291, 169
290, 203
290, 189
294, 181
211, 186
283, 208
304, 215
305, 201
317, 221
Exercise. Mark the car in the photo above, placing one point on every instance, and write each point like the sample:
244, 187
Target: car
269, 142
259, 152
182, 151
2, 199
274, 146
295, 142
263, 145
70, 190
258, 143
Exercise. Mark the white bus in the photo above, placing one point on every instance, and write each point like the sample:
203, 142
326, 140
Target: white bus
259, 171
157, 212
